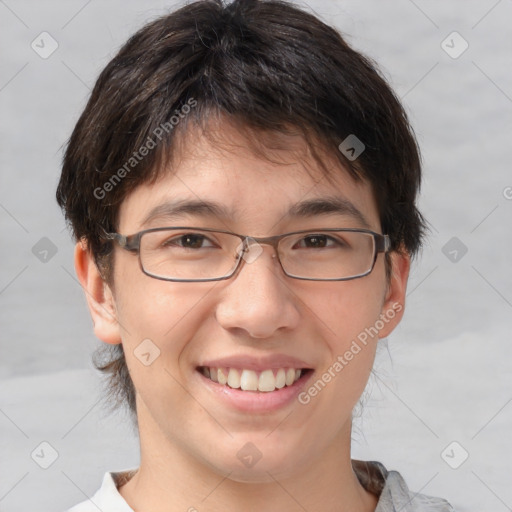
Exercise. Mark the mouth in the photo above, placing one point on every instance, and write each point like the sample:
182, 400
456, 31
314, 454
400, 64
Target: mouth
266, 381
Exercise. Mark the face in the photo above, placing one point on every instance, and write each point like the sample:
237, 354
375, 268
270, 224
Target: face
261, 316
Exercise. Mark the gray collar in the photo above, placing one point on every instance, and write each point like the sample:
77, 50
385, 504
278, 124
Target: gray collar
392, 491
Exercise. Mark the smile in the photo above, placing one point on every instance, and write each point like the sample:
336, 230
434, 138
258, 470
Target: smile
250, 380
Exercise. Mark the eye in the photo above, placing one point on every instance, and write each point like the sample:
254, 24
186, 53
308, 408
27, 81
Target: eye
187, 241
320, 241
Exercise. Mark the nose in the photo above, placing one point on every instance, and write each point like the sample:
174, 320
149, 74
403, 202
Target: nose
258, 299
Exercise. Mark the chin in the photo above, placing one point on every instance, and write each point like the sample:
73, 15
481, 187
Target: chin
251, 464
258, 474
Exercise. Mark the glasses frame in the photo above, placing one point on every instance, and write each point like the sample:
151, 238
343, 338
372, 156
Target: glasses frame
131, 243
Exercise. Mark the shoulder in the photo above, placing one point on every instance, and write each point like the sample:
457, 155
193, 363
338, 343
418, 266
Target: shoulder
393, 492
107, 498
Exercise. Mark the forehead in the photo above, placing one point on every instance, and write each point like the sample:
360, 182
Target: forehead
260, 181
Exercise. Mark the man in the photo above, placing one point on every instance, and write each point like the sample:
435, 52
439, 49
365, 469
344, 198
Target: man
242, 189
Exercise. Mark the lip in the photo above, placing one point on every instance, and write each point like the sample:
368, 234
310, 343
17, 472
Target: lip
257, 364
254, 401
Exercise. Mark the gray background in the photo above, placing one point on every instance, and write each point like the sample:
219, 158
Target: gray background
444, 375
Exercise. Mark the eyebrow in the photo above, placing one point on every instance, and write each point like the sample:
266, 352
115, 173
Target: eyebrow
327, 206
207, 209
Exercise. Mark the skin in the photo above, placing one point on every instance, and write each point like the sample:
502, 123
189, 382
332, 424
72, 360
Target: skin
189, 441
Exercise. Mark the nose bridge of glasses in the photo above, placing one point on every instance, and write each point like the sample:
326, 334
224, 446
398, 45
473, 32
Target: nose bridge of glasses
251, 247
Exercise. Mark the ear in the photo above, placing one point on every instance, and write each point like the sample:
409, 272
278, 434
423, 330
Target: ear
100, 299
394, 302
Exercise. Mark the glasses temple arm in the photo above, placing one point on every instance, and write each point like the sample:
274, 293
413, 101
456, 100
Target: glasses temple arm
383, 243
122, 240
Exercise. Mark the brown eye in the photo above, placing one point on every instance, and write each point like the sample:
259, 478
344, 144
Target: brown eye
187, 241
319, 241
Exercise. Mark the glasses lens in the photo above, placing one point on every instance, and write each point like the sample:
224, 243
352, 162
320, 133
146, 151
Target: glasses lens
328, 254
193, 254
188, 254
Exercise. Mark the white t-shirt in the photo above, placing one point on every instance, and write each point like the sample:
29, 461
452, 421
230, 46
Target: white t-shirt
389, 486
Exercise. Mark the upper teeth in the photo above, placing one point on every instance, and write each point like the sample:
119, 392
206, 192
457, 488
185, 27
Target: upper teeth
248, 380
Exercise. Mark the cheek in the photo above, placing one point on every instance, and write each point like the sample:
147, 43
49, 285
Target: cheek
345, 325
346, 310
159, 320
165, 312
342, 316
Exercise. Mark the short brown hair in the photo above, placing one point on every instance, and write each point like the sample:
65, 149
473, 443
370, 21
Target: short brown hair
267, 65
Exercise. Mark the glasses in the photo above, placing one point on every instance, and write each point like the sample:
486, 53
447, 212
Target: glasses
202, 254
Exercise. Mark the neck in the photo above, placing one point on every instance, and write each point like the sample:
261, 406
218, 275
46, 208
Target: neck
170, 479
